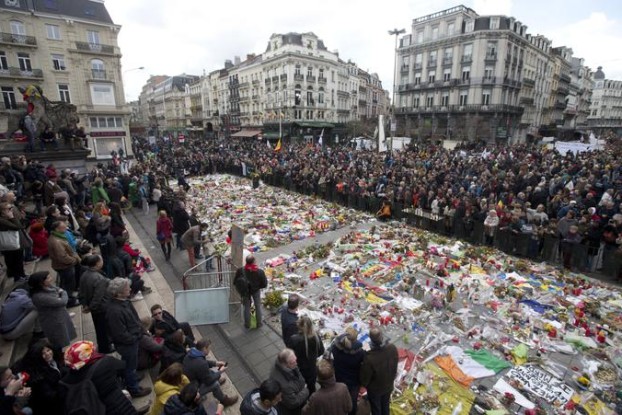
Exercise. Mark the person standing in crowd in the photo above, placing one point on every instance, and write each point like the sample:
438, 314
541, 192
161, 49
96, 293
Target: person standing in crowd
308, 347
181, 223
98, 193
348, 355
294, 392
51, 303
333, 397
199, 369
378, 372
192, 241
164, 233
64, 260
94, 298
12, 252
289, 318
144, 197
30, 131
257, 280
262, 400
125, 330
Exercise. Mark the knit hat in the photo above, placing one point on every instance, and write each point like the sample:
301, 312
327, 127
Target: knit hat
80, 354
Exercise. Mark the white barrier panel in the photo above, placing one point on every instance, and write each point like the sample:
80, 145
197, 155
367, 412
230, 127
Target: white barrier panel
205, 306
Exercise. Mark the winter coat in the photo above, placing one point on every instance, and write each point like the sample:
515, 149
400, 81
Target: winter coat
164, 226
251, 405
61, 254
168, 324
172, 353
175, 407
15, 307
288, 324
294, 390
192, 237
379, 369
256, 279
53, 316
307, 354
163, 392
98, 194
149, 351
332, 398
198, 369
104, 377
94, 290
124, 326
39, 242
181, 221
46, 397
347, 362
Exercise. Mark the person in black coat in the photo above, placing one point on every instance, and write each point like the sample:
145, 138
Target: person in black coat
173, 351
181, 223
164, 325
289, 317
348, 355
45, 368
308, 347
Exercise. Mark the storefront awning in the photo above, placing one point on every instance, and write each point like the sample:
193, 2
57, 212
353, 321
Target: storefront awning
247, 133
271, 134
314, 124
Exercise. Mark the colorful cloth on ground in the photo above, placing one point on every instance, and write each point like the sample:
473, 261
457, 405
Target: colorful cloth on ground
520, 354
460, 366
489, 360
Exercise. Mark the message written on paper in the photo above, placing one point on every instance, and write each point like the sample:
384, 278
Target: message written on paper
542, 384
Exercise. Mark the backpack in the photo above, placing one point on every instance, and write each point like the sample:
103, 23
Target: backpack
82, 398
241, 284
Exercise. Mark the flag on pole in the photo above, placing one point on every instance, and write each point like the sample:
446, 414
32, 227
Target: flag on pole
278, 145
320, 141
268, 143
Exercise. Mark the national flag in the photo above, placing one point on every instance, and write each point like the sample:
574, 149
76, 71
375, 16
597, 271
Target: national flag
500, 204
320, 141
462, 368
268, 143
278, 145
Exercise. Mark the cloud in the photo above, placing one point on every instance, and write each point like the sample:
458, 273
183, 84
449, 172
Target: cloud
486, 7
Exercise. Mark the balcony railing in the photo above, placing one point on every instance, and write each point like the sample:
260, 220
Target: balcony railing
497, 108
283, 77
95, 48
565, 78
432, 63
310, 78
299, 77
321, 79
255, 81
18, 39
529, 82
267, 81
418, 65
526, 101
244, 85
559, 105
19, 73
449, 60
404, 68
562, 90
488, 80
99, 74
467, 59
492, 56
275, 79
255, 97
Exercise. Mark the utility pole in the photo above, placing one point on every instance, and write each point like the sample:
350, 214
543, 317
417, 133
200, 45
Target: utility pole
395, 32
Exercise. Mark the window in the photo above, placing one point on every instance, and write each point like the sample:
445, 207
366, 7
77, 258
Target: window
416, 101
309, 71
58, 62
491, 50
446, 75
320, 96
430, 101
18, 28
435, 33
320, 115
405, 62
53, 31
467, 52
418, 60
488, 72
432, 58
494, 23
8, 96
431, 76
63, 93
448, 53
466, 73
445, 99
309, 114
469, 25
106, 122
4, 65
463, 97
102, 94
420, 36
310, 100
320, 73
297, 114
98, 69
297, 70
92, 37
418, 78
451, 28
297, 96
24, 62
486, 97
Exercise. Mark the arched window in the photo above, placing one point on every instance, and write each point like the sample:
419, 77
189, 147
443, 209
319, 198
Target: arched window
18, 28
98, 69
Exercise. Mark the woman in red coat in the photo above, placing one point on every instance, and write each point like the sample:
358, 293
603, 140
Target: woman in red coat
39, 237
164, 232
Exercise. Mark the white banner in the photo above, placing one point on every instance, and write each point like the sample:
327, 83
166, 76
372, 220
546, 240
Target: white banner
542, 384
564, 146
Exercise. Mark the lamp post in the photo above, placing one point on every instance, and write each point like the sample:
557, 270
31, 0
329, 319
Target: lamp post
395, 32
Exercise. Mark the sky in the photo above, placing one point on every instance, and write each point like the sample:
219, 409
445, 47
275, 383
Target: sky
171, 37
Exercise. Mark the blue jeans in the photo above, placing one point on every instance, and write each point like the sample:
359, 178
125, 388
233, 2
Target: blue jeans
129, 354
379, 403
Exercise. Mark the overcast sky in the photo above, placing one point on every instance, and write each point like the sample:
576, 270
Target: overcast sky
170, 37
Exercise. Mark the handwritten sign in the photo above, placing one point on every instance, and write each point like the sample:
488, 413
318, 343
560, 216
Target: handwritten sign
542, 384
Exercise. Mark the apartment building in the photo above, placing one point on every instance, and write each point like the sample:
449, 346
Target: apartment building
606, 105
69, 48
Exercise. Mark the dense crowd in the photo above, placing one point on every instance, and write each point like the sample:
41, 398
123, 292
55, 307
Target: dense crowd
77, 221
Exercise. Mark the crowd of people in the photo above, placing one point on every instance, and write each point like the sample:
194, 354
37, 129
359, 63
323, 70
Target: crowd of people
77, 221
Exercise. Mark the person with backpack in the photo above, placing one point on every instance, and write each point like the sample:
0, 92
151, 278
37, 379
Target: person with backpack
248, 282
91, 387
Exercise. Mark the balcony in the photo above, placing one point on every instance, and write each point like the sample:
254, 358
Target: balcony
432, 63
439, 109
267, 81
96, 48
23, 40
564, 78
255, 81
418, 65
275, 79
467, 59
18, 73
244, 85
529, 82
255, 97
511, 83
562, 90
559, 105
321, 79
489, 80
404, 69
99, 74
491, 57
311, 79
299, 77
526, 101
449, 60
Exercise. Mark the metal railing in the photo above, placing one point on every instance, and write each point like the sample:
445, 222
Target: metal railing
202, 275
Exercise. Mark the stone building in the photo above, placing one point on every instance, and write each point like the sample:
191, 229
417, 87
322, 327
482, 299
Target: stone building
606, 106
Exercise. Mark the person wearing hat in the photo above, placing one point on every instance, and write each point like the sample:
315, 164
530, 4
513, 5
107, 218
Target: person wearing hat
83, 359
348, 355
51, 302
378, 372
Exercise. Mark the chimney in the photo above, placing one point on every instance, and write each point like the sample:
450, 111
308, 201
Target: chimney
236, 60
228, 64
250, 56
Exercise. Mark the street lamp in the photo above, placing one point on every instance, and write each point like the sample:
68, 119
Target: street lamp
395, 32
140, 68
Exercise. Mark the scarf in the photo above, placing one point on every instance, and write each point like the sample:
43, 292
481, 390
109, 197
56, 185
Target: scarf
59, 235
251, 267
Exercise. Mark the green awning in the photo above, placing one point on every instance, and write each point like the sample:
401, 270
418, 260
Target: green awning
314, 124
271, 134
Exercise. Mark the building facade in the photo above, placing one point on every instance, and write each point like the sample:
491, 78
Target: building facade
606, 105
69, 48
297, 86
